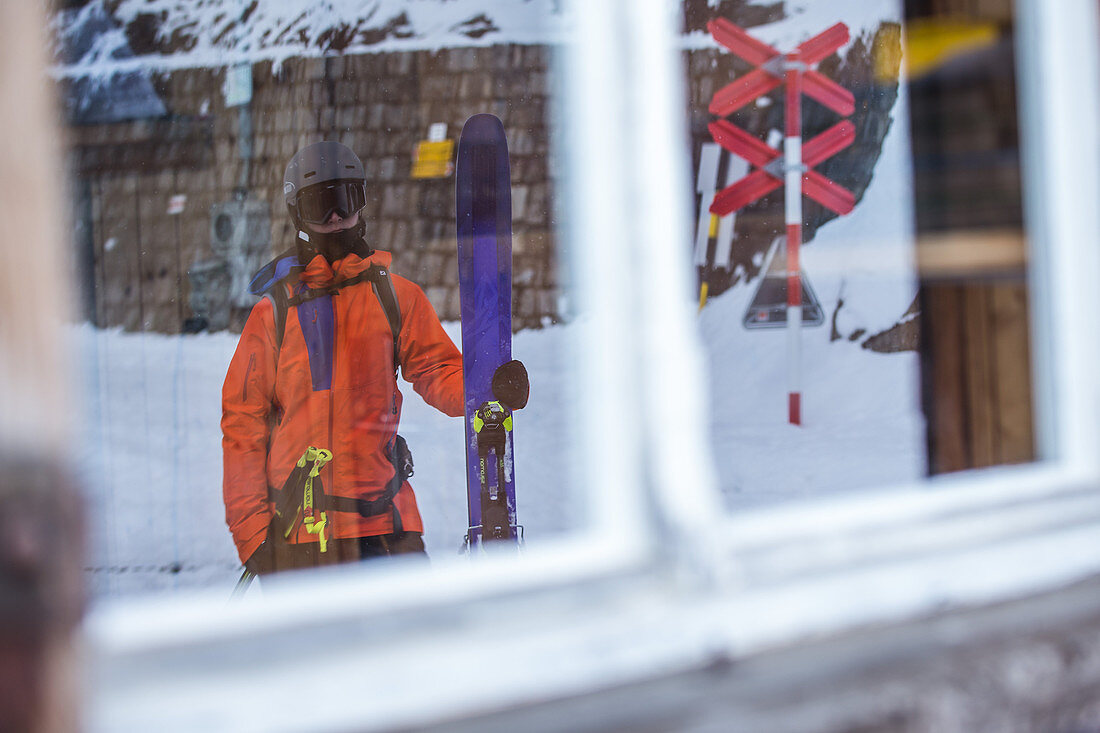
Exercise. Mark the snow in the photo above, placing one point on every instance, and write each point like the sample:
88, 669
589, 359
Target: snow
810, 17
93, 38
869, 259
276, 30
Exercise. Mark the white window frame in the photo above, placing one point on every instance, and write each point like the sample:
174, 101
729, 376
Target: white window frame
663, 580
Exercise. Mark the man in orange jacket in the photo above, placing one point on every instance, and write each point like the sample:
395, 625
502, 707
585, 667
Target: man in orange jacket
316, 368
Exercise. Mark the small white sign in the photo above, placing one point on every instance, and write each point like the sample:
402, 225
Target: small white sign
176, 203
238, 85
437, 132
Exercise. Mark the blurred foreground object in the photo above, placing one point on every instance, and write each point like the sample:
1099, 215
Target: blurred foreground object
41, 598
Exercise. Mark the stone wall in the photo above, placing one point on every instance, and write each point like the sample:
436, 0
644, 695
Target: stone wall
137, 253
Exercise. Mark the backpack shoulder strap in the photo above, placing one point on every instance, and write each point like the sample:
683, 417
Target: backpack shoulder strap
387, 296
280, 304
271, 282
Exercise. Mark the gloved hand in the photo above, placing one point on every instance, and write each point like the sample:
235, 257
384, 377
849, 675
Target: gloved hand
262, 561
510, 384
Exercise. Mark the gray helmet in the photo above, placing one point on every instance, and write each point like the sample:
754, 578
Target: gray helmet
323, 178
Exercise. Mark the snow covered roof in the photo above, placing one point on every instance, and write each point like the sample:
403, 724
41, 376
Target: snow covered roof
110, 98
171, 34
161, 35
107, 50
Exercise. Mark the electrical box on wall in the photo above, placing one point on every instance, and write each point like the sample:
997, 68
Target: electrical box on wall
240, 238
240, 234
209, 296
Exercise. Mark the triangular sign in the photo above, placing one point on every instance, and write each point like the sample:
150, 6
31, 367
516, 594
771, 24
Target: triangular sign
768, 308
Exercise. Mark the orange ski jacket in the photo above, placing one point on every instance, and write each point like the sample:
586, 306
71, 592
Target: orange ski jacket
331, 385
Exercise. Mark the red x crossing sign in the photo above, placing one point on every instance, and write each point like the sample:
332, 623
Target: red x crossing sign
764, 181
769, 75
762, 80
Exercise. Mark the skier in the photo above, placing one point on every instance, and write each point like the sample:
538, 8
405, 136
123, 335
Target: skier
313, 467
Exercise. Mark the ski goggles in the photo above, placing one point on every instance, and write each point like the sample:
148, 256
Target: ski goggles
319, 202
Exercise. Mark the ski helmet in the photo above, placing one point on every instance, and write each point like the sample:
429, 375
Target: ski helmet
322, 179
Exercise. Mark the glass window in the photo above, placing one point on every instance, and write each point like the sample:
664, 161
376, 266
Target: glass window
911, 353
914, 357
181, 125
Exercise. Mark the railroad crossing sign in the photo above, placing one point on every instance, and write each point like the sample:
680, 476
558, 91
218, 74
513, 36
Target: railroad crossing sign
772, 68
793, 166
770, 164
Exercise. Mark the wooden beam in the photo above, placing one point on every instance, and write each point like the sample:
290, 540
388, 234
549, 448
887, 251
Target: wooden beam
969, 254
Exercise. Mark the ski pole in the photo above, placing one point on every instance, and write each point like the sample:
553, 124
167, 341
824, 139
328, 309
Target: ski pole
247, 576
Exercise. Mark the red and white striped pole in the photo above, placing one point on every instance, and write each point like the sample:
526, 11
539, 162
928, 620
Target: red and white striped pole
792, 150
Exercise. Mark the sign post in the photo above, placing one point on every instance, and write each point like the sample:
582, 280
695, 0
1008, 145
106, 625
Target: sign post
792, 150
793, 168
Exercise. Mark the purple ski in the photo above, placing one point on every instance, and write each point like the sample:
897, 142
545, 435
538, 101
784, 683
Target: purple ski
484, 217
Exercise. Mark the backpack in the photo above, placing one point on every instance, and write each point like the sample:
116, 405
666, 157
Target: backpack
270, 282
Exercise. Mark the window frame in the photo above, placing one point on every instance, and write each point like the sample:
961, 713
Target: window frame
927, 527
664, 581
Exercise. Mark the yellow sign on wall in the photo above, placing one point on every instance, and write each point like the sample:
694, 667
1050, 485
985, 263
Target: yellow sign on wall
432, 159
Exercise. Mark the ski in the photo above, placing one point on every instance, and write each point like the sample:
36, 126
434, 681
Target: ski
483, 207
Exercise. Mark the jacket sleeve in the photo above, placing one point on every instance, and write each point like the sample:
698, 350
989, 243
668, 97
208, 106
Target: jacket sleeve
247, 404
429, 359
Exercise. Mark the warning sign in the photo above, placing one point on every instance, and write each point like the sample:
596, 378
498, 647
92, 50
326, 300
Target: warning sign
769, 305
177, 203
433, 159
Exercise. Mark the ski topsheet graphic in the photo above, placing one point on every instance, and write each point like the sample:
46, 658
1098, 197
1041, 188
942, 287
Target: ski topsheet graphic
484, 219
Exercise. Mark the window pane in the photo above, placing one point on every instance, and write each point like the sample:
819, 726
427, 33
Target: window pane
912, 357
181, 125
